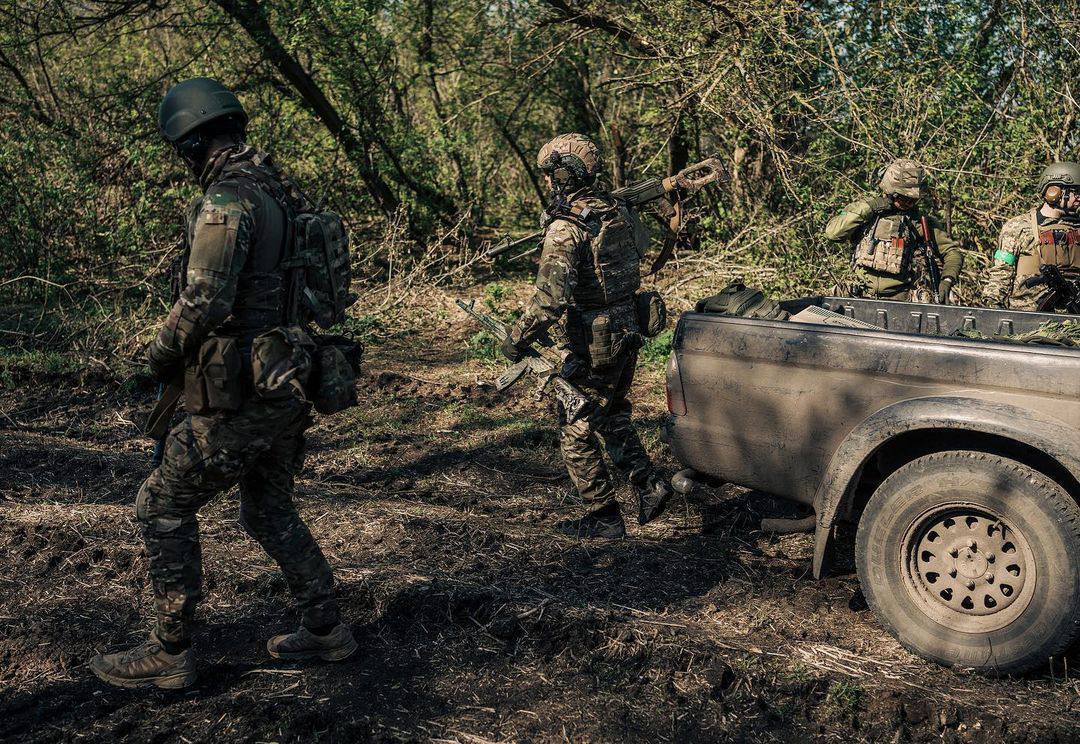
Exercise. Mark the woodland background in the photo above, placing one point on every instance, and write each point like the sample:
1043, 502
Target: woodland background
418, 120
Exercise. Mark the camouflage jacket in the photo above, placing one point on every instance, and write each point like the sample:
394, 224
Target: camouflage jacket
568, 276
236, 238
1018, 257
853, 222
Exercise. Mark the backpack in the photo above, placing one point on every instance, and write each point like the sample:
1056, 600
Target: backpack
317, 259
322, 268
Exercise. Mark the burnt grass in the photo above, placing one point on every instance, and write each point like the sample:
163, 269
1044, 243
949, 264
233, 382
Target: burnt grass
433, 502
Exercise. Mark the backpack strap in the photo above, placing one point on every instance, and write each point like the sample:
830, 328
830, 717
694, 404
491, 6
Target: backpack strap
260, 170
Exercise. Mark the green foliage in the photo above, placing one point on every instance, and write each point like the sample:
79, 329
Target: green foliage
444, 105
657, 349
369, 330
35, 362
483, 347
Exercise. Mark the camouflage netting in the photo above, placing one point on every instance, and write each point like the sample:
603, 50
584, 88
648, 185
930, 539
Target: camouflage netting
1051, 333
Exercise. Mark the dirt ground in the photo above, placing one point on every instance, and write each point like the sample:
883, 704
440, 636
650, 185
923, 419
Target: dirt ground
433, 502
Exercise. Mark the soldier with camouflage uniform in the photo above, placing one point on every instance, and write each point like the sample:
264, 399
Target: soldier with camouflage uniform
891, 245
585, 295
1046, 236
242, 426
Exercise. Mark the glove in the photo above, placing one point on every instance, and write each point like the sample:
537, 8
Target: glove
160, 367
944, 289
511, 351
880, 204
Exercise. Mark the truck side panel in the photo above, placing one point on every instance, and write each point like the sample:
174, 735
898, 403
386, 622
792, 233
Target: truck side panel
768, 402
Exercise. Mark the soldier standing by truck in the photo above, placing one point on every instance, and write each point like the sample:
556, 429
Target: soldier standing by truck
586, 299
1041, 243
237, 339
900, 252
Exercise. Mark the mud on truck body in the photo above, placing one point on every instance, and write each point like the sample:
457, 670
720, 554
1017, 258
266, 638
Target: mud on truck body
957, 459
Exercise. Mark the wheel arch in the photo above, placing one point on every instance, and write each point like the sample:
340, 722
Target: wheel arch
910, 429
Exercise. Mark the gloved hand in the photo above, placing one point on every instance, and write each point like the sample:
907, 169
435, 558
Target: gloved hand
880, 204
511, 351
160, 367
944, 289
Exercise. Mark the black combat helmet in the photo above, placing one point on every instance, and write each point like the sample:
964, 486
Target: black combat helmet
192, 103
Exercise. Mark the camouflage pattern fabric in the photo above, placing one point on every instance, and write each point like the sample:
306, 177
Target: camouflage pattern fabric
261, 448
1018, 257
605, 426
852, 224
243, 431
568, 305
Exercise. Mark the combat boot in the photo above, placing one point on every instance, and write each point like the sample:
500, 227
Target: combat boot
606, 522
336, 645
148, 665
652, 500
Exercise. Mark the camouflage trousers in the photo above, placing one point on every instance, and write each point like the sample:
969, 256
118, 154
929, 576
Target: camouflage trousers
604, 425
261, 448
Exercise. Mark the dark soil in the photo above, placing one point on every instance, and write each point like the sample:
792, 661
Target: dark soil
433, 502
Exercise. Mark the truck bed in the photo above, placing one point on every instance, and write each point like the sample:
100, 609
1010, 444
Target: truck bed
768, 403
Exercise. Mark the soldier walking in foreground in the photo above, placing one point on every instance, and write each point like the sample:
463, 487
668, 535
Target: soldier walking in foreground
585, 296
236, 337
900, 253
1041, 241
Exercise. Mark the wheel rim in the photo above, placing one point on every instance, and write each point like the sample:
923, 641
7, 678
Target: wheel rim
967, 568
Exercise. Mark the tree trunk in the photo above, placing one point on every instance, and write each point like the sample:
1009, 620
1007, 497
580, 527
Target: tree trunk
251, 17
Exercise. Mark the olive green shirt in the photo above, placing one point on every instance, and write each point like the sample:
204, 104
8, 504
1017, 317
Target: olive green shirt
852, 223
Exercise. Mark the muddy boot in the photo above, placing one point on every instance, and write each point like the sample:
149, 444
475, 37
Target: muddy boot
652, 500
148, 665
336, 645
606, 522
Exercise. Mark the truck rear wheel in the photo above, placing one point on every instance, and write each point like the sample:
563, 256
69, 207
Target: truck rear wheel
973, 560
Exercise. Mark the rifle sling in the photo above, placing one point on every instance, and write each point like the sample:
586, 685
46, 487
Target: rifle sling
157, 425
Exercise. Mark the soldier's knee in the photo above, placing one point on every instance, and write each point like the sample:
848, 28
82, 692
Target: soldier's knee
155, 507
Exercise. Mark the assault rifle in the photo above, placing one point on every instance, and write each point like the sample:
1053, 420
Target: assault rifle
687, 181
538, 362
931, 256
168, 394
1064, 289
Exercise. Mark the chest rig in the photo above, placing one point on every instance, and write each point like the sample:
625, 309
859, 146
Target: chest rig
889, 245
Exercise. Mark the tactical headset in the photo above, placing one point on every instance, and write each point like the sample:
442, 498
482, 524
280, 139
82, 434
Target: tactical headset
566, 169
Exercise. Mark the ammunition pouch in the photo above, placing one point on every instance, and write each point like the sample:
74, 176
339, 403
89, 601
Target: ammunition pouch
281, 363
337, 365
651, 313
214, 380
605, 335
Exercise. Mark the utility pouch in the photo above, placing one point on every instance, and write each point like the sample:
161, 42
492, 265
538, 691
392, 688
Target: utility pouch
281, 363
611, 333
214, 381
337, 365
651, 313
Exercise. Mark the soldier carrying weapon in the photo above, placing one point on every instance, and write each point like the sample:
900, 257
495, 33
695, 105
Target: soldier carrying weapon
587, 298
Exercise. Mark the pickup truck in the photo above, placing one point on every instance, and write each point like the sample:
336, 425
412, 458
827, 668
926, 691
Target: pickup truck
957, 459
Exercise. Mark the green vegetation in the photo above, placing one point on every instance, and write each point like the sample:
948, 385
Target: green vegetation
445, 103
656, 350
843, 700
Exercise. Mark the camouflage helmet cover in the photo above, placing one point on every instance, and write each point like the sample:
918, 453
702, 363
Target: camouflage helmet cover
192, 103
1059, 174
584, 155
903, 178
